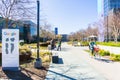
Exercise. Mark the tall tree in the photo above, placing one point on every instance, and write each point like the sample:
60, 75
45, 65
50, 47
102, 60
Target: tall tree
114, 23
16, 9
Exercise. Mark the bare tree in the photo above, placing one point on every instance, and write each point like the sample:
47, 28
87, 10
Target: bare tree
71, 36
46, 31
16, 9
92, 30
114, 23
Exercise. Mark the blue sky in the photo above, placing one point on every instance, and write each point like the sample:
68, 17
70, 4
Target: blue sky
69, 15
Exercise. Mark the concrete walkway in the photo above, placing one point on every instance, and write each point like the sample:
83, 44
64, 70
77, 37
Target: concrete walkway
76, 64
115, 50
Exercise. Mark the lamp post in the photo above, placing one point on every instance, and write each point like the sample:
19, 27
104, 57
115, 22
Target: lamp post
38, 62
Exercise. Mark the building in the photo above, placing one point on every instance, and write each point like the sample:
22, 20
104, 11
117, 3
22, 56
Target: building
100, 11
109, 5
27, 29
64, 37
105, 8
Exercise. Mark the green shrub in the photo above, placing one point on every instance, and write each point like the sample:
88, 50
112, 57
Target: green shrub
28, 50
23, 47
45, 53
112, 55
22, 52
107, 53
115, 44
0, 45
45, 44
70, 42
101, 52
104, 53
46, 59
85, 43
115, 57
21, 43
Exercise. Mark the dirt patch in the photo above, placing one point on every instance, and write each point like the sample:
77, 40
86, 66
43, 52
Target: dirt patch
27, 72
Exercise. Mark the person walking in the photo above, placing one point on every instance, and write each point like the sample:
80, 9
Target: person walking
52, 43
59, 45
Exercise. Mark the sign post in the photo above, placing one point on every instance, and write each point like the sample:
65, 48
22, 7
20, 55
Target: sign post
10, 49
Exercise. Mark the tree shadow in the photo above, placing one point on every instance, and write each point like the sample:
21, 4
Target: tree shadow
17, 75
104, 60
65, 73
81, 76
24, 74
62, 75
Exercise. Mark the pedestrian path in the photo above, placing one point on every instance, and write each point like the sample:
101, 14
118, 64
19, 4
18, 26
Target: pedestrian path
115, 50
72, 66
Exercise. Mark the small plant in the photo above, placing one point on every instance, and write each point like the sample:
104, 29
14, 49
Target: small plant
0, 45
21, 43
101, 52
115, 57
104, 53
28, 50
109, 44
45, 53
84, 43
22, 52
46, 59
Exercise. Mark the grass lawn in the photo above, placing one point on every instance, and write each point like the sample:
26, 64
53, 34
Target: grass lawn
114, 44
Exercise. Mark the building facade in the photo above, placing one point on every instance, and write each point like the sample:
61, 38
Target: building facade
27, 29
100, 11
109, 5
64, 37
105, 8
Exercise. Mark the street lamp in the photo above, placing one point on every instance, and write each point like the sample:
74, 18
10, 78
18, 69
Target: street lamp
38, 62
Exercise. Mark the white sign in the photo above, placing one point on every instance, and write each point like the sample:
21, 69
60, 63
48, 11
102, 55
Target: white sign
10, 49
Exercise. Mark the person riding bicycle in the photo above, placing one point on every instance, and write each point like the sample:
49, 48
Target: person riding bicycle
91, 46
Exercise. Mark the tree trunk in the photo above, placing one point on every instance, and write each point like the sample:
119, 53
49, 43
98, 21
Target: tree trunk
116, 36
6, 23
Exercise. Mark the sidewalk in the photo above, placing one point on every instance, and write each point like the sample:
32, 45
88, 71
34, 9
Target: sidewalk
74, 65
115, 50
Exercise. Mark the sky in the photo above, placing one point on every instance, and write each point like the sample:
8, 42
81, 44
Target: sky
68, 15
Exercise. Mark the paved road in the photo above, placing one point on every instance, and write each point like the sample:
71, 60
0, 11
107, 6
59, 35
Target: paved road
76, 64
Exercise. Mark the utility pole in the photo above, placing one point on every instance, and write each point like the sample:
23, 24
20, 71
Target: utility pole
38, 63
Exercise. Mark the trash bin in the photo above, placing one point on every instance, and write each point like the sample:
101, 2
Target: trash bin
55, 58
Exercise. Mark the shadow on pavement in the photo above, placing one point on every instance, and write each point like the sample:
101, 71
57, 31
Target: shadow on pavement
60, 61
104, 60
62, 75
24, 74
16, 75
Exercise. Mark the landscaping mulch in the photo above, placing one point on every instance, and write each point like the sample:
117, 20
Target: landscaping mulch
27, 72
